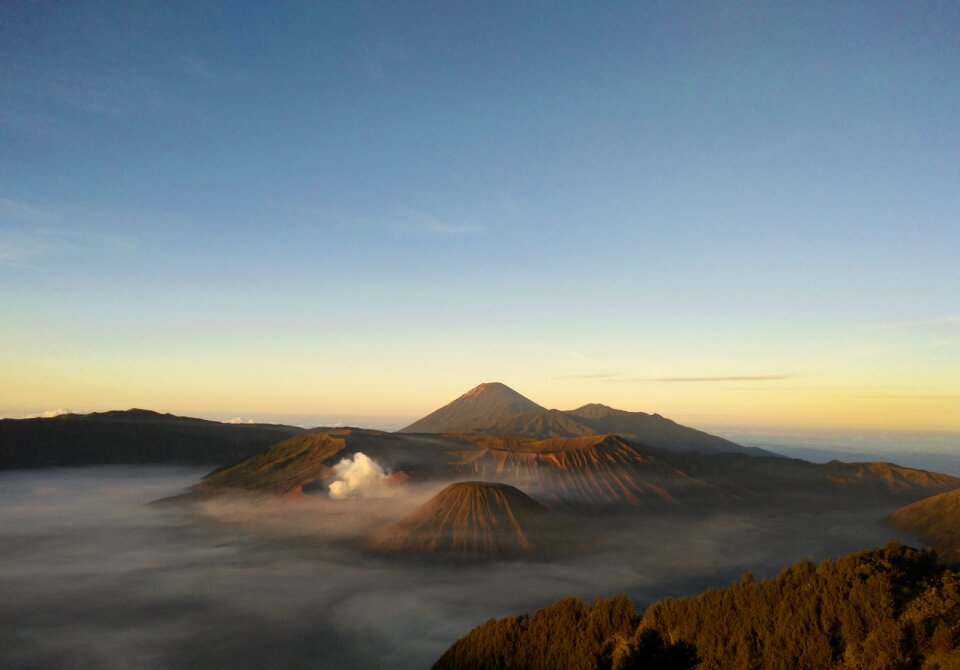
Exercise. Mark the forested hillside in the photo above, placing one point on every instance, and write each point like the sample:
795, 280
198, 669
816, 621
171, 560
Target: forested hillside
884, 609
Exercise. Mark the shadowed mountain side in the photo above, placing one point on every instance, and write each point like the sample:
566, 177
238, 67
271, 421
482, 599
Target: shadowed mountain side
587, 472
131, 436
759, 479
472, 520
935, 520
284, 469
549, 423
485, 404
590, 471
656, 431
650, 429
303, 462
495, 409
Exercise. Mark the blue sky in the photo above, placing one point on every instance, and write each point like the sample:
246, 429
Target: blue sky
353, 209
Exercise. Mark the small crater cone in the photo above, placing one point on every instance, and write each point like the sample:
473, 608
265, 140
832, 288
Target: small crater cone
474, 520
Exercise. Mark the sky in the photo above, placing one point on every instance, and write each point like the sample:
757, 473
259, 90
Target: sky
733, 214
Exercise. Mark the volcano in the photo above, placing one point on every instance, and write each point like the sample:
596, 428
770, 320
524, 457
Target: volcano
470, 520
496, 409
485, 405
589, 472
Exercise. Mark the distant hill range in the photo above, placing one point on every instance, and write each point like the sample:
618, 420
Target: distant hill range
469, 520
935, 520
142, 436
131, 436
496, 409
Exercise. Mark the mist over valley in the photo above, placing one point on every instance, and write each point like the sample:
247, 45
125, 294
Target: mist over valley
94, 575
359, 548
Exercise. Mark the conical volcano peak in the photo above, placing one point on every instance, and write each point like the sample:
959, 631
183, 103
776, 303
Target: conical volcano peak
493, 408
489, 387
474, 520
483, 405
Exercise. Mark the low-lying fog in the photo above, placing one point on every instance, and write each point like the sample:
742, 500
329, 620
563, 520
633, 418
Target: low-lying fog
93, 576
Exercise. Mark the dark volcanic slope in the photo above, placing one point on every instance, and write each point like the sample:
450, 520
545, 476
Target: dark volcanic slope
495, 409
655, 430
549, 423
483, 405
304, 460
936, 520
132, 436
588, 471
473, 520
756, 478
649, 429
283, 469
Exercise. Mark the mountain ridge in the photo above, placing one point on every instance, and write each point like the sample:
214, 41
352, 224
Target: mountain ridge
935, 520
487, 402
494, 408
133, 436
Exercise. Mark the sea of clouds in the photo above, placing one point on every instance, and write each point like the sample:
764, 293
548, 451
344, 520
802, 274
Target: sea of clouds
93, 575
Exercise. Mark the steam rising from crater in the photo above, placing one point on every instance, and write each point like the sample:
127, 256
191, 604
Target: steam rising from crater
358, 477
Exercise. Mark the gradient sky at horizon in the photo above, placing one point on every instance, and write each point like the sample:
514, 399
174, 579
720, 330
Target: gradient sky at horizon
733, 214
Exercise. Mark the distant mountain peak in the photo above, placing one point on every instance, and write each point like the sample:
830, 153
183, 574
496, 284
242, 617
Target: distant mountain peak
483, 405
488, 387
496, 409
595, 410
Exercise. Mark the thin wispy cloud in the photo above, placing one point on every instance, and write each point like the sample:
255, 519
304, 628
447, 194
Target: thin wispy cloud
17, 253
424, 224
447, 229
30, 232
26, 213
905, 396
950, 319
382, 59
194, 66
16, 117
730, 378
726, 378
21, 246
942, 343
580, 357
111, 95
796, 388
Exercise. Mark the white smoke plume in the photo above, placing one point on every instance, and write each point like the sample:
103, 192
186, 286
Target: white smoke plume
359, 477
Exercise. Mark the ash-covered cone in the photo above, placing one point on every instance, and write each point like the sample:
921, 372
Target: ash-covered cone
475, 520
